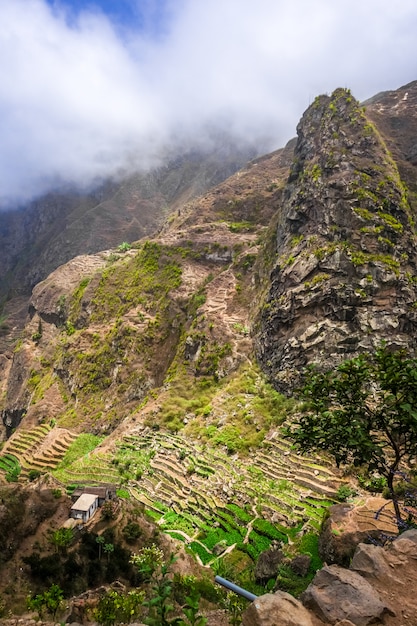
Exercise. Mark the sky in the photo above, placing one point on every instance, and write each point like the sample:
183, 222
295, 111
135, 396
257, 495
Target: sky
97, 88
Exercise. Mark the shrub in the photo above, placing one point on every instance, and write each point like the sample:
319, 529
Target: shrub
108, 510
124, 247
33, 474
345, 492
131, 532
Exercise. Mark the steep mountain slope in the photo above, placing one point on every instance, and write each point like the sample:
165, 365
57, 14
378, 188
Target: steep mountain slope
131, 314
174, 314
395, 115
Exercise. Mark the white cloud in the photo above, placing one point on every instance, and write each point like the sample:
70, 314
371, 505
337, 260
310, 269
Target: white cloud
80, 99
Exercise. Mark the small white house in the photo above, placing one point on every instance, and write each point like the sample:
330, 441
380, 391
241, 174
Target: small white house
84, 507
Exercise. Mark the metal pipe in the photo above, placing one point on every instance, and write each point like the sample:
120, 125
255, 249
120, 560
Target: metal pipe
241, 592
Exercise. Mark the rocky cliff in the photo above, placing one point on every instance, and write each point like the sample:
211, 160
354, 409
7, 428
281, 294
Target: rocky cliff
345, 271
361, 595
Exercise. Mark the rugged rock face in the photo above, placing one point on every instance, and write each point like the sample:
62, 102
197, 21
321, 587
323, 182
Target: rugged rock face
348, 525
346, 251
395, 115
356, 601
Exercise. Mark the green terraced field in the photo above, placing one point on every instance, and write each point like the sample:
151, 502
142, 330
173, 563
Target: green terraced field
11, 467
209, 500
25, 446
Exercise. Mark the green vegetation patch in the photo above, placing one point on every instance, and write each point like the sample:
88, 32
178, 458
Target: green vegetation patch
176, 535
239, 513
198, 549
123, 493
130, 460
155, 515
77, 297
10, 465
259, 542
84, 444
220, 535
253, 407
239, 227
265, 528
144, 279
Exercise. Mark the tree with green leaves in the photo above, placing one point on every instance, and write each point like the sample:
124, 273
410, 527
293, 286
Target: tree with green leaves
101, 541
108, 549
147, 560
50, 601
364, 412
62, 538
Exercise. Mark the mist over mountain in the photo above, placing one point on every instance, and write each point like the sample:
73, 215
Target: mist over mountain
38, 237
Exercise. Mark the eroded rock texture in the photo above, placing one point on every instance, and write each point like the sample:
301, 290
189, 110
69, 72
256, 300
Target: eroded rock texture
346, 258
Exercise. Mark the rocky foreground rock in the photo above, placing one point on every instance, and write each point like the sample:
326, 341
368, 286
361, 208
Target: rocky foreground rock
378, 588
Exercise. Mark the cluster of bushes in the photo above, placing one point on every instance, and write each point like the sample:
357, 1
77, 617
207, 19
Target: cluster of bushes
90, 565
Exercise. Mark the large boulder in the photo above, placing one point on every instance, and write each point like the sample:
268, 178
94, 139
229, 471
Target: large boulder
268, 563
349, 525
338, 594
300, 564
370, 561
276, 609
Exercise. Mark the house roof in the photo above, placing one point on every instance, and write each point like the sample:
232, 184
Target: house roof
102, 492
84, 502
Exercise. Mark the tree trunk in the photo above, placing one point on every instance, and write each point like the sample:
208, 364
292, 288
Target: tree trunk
394, 498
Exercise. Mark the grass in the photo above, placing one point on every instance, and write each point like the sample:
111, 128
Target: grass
251, 403
198, 549
131, 461
11, 467
259, 542
80, 466
154, 515
123, 494
269, 530
153, 271
240, 513
213, 537
185, 522
309, 544
83, 445
287, 580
